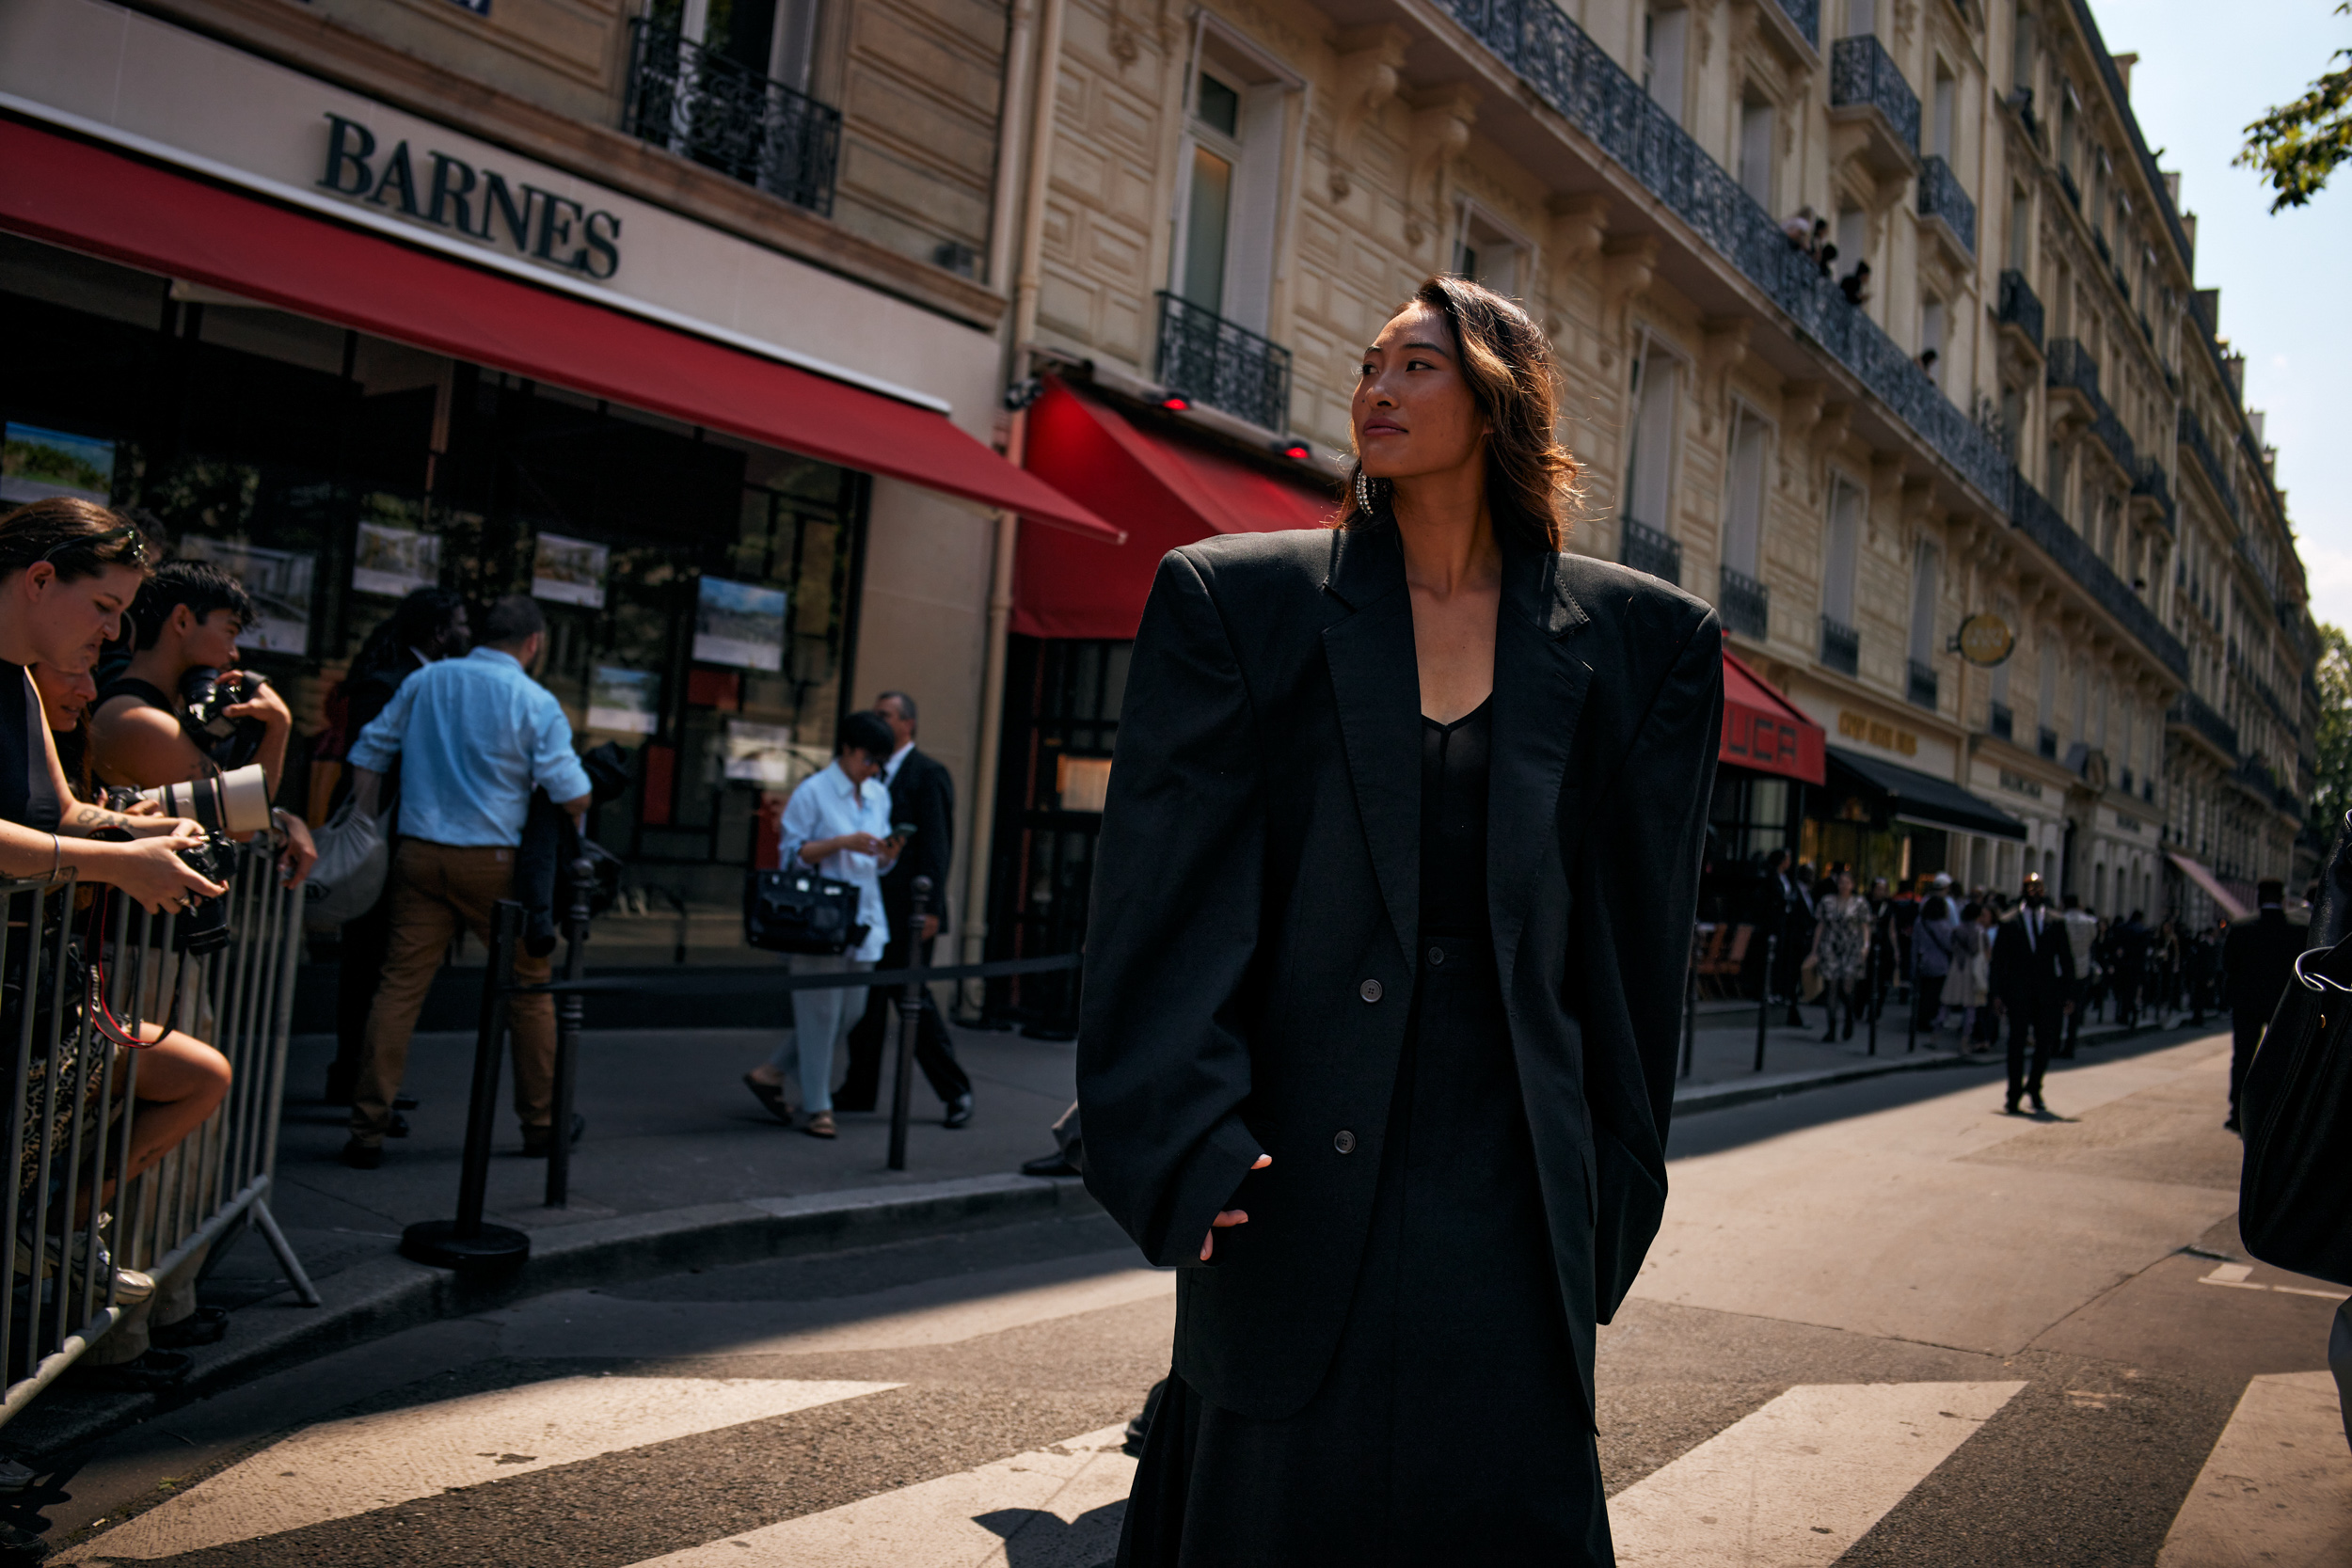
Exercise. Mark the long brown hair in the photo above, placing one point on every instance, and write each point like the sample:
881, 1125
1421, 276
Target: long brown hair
80, 538
1506, 358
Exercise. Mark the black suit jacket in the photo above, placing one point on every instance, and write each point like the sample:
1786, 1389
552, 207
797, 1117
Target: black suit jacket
2028, 974
1251, 947
923, 793
2257, 960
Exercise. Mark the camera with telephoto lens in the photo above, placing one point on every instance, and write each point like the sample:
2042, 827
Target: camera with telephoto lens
221, 804
206, 691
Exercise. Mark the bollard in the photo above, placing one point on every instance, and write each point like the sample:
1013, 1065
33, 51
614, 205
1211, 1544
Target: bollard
909, 1020
1764, 1006
465, 1244
1689, 1009
569, 1010
1911, 1042
1874, 1026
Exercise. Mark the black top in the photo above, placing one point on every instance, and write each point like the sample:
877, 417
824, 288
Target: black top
29, 793
1454, 760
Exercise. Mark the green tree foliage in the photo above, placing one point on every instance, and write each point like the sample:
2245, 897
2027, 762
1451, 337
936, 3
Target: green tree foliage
2331, 796
2297, 146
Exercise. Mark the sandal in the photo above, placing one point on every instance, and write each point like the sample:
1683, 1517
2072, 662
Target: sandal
206, 1325
821, 1125
772, 1096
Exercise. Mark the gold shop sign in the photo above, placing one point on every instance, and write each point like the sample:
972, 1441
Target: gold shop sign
1855, 726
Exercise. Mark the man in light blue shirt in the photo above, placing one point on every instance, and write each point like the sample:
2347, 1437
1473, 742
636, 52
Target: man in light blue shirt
474, 736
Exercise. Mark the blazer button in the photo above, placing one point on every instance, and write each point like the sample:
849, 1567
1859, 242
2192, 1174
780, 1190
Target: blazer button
1437, 957
1344, 1142
1369, 990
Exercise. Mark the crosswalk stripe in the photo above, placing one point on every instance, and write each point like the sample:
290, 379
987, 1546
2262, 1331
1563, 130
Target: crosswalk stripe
2277, 1487
339, 1469
1056, 1507
1798, 1483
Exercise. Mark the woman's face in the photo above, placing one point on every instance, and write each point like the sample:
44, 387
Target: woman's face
65, 619
1845, 885
65, 698
1413, 412
859, 766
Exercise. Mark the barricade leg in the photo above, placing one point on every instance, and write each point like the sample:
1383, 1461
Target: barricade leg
465, 1244
910, 1022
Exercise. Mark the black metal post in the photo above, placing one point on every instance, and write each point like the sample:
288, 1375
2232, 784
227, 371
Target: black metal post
1874, 1011
465, 1244
1764, 1004
909, 1019
569, 1010
1911, 1040
1690, 1009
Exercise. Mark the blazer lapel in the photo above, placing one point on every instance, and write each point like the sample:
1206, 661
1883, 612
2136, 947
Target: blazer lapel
1377, 684
1540, 684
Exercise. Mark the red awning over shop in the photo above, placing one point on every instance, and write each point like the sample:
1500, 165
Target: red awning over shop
105, 204
1762, 730
1164, 491
2233, 902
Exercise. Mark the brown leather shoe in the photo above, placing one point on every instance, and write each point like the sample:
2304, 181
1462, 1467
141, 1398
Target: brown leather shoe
821, 1125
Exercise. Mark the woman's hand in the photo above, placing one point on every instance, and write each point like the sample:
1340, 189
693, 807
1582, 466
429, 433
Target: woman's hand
1228, 1217
151, 870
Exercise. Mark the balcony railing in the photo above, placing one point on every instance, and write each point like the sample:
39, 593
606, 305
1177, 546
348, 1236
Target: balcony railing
2001, 722
1841, 647
1746, 605
1209, 360
2071, 366
1646, 550
2193, 712
1806, 14
1575, 76
1920, 685
2020, 305
1940, 197
2032, 515
1863, 73
2150, 481
723, 114
2192, 434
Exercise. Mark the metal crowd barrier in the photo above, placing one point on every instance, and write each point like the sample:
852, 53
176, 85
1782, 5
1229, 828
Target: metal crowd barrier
88, 959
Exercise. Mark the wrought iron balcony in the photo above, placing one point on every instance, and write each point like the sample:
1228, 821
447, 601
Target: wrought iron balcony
1841, 647
2020, 307
1806, 14
1861, 74
1940, 197
2192, 712
2001, 722
1209, 360
2192, 435
1646, 550
2031, 514
1576, 77
1920, 685
1746, 605
2072, 368
723, 114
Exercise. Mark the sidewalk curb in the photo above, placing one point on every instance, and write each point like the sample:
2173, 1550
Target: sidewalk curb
386, 1295
1774, 1085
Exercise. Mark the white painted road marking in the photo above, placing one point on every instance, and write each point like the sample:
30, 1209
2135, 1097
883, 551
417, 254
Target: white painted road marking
1798, 1483
1056, 1507
340, 1469
2276, 1489
2233, 1275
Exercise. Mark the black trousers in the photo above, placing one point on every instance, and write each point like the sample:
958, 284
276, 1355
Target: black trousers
2042, 1019
934, 1052
2245, 1033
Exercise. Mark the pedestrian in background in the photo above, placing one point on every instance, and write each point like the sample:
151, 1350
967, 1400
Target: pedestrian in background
1841, 952
2033, 973
923, 812
2200, 961
473, 736
838, 824
1794, 933
2082, 936
1936, 939
1967, 979
2257, 962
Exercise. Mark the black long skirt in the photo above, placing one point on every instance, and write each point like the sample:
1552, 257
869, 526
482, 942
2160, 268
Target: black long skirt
1449, 1427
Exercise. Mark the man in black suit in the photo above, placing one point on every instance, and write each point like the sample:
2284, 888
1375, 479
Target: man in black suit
2033, 980
1793, 905
2257, 961
921, 796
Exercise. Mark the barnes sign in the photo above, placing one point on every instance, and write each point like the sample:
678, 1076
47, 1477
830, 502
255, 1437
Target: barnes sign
450, 193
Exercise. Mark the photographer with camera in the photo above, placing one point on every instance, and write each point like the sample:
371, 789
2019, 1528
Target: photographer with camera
183, 711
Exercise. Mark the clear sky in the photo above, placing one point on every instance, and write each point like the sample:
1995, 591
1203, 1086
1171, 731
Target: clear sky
2206, 70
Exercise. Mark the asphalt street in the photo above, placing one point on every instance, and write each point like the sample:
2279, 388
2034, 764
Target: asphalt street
1885, 1325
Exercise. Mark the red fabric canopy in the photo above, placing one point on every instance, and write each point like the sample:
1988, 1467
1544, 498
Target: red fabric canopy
1165, 491
90, 198
1762, 730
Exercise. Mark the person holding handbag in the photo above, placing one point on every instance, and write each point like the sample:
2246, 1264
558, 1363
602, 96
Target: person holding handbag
838, 824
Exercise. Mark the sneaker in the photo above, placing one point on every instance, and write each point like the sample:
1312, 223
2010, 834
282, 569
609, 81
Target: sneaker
130, 1287
538, 1140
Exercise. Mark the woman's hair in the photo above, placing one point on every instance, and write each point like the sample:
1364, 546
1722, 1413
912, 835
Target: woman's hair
1531, 478
79, 538
1971, 909
869, 732
416, 619
1937, 907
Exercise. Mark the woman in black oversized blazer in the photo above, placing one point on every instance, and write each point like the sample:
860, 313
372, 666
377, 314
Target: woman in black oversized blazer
1403, 1169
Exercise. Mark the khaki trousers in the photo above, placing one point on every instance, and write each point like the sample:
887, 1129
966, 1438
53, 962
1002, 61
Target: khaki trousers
438, 889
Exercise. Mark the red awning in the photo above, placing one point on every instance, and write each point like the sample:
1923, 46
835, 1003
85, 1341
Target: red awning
2232, 902
1164, 490
1763, 730
105, 204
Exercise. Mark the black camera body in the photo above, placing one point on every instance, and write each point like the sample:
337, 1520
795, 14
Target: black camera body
206, 691
203, 927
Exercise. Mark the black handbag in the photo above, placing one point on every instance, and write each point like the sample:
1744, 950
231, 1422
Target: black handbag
796, 911
2295, 1193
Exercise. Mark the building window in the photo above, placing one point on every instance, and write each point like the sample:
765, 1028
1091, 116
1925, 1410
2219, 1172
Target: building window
1862, 18
1921, 683
1649, 456
1664, 30
1944, 121
1932, 322
2019, 230
1228, 214
2021, 52
1844, 549
1490, 253
1755, 150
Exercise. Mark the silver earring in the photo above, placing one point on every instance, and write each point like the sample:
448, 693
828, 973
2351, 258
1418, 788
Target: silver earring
1363, 492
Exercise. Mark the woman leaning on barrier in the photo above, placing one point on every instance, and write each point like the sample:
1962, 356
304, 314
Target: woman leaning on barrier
1385, 966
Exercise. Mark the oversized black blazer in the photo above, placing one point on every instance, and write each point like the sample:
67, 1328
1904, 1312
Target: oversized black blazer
1249, 951
2032, 974
923, 793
